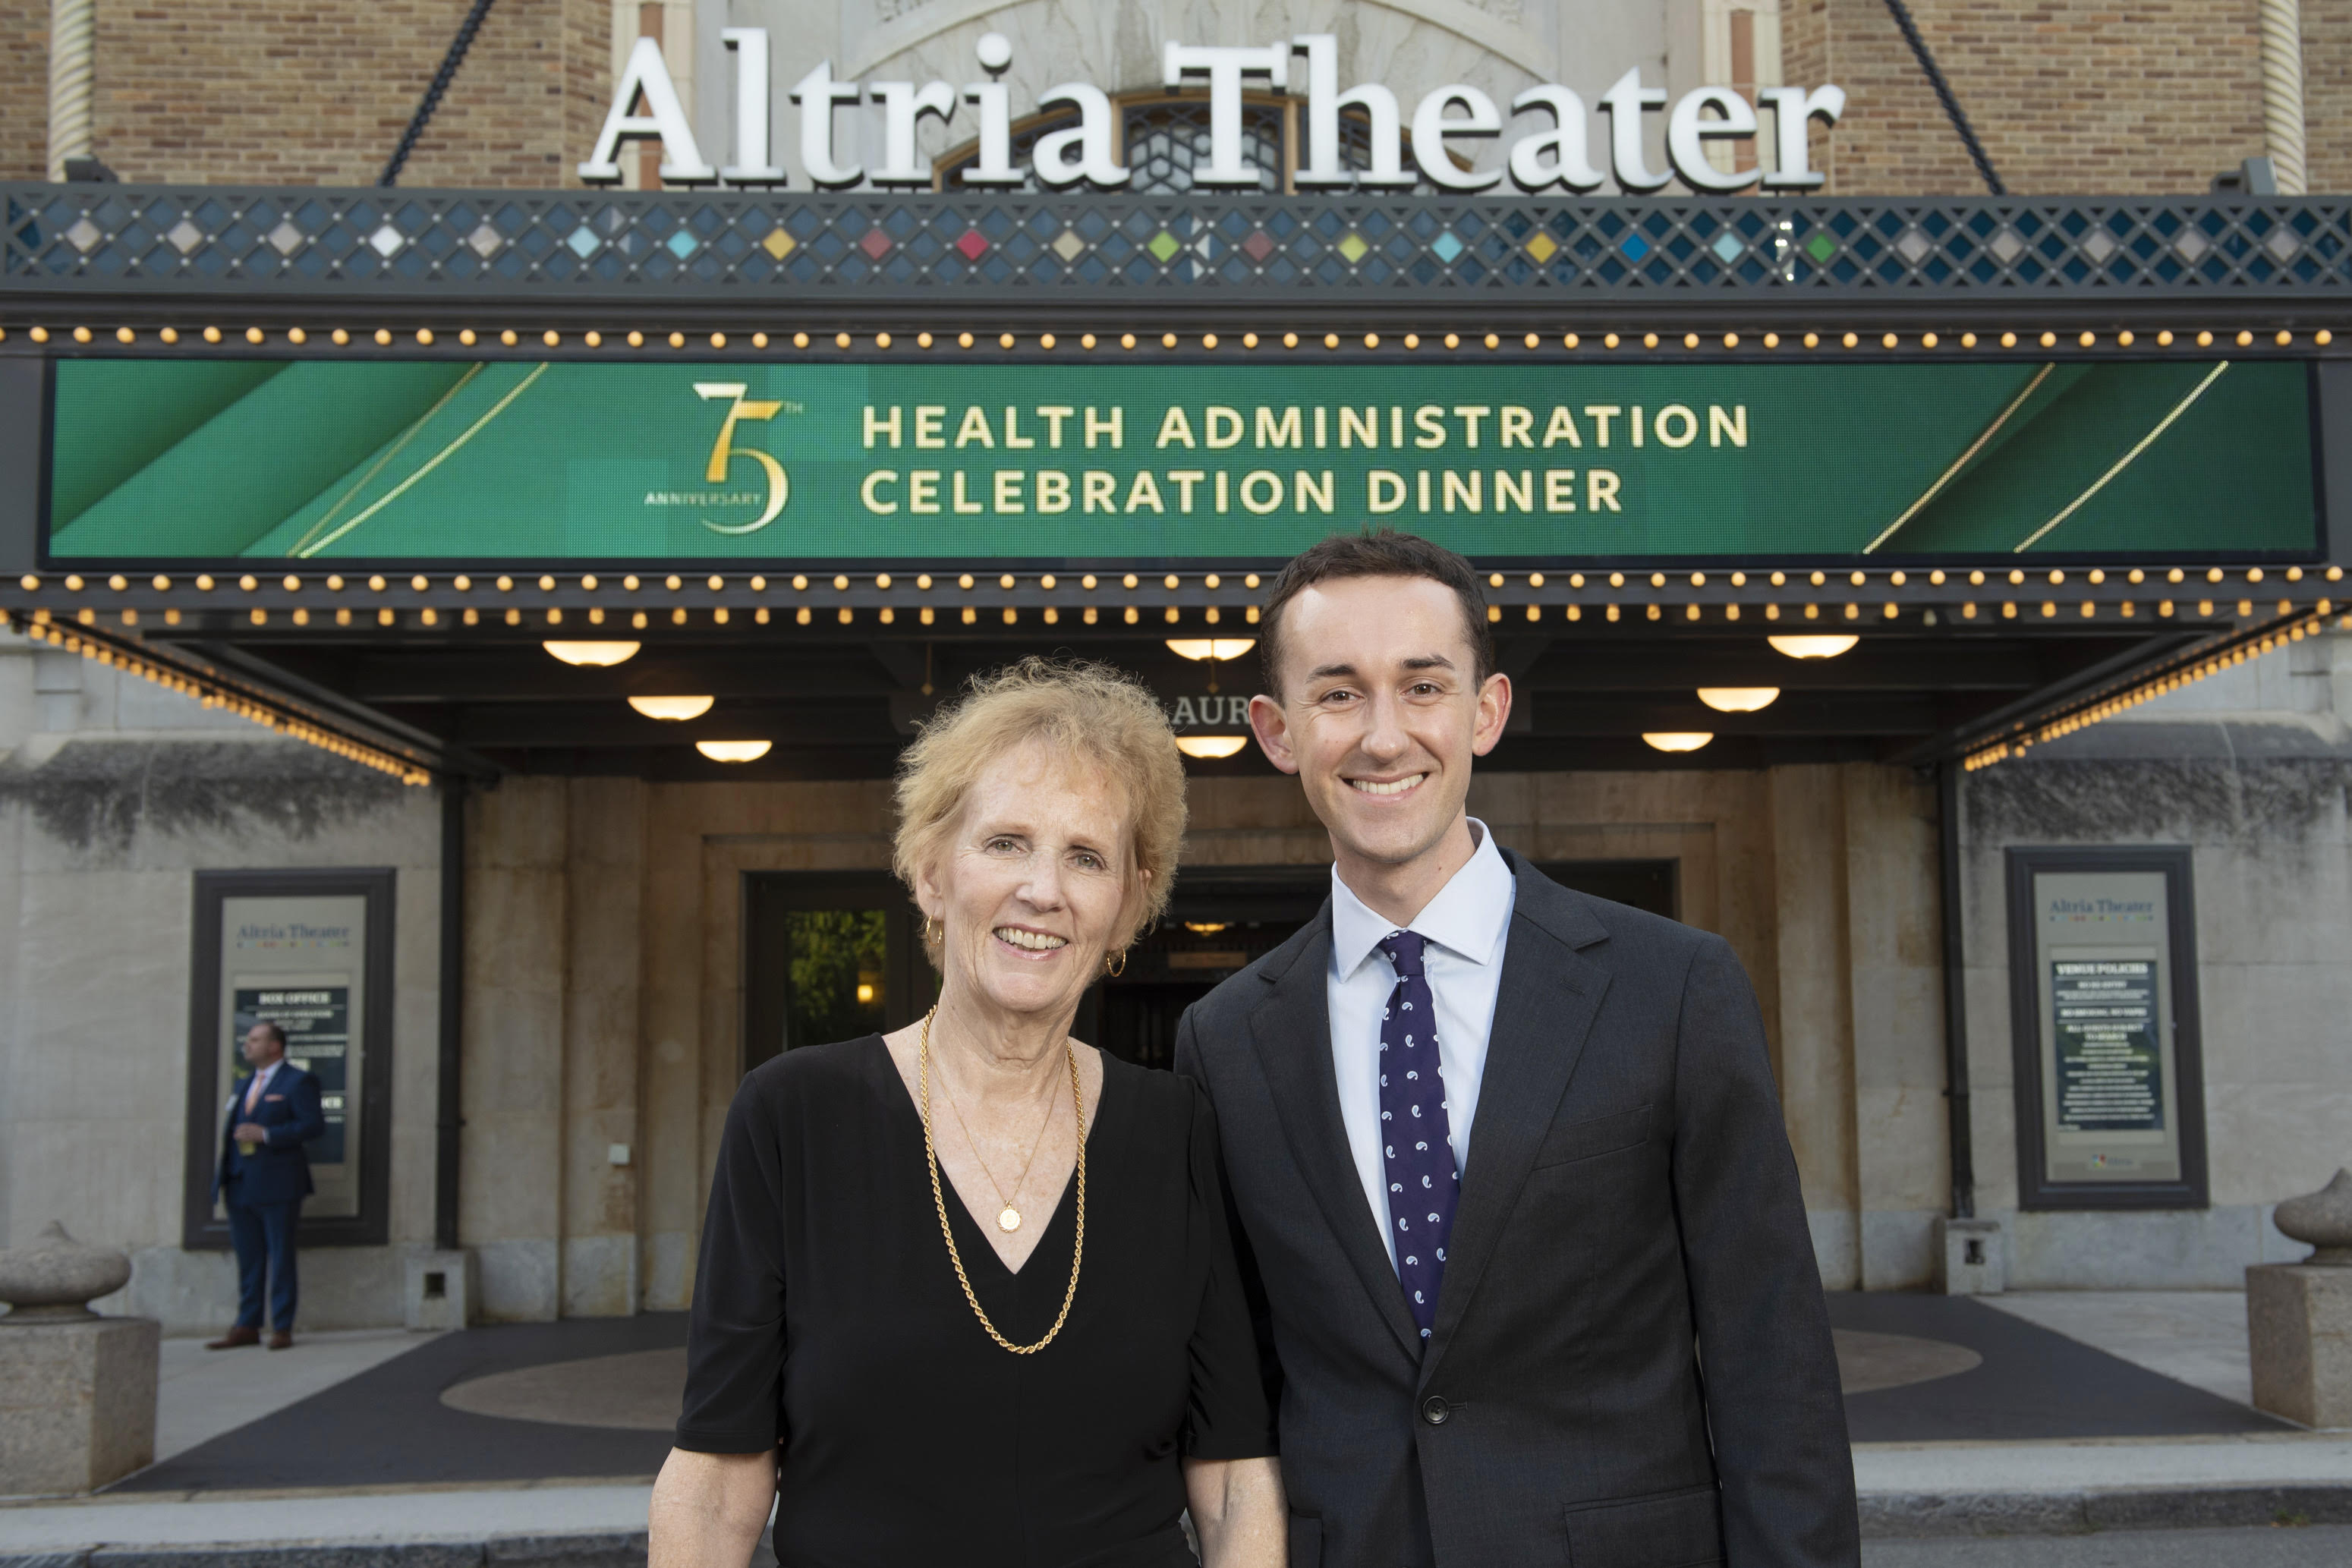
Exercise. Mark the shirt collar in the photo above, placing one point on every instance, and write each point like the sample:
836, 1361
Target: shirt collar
1467, 918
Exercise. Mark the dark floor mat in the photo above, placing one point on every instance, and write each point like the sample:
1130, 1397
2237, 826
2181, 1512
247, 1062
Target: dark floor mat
388, 1426
2032, 1383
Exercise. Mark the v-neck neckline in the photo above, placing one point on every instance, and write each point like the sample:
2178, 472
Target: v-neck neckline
905, 1098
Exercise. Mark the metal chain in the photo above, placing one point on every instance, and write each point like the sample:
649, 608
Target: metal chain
1946, 97
938, 1196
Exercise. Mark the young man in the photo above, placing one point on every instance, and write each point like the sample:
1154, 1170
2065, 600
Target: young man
1508, 1160
263, 1176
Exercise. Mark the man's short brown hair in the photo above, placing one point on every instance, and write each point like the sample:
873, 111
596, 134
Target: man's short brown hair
1383, 552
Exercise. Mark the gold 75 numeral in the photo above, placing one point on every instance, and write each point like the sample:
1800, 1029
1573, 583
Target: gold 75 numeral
724, 449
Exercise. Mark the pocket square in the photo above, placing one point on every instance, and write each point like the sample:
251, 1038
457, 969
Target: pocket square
270, 1096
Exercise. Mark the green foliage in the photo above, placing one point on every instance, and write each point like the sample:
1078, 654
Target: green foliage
834, 952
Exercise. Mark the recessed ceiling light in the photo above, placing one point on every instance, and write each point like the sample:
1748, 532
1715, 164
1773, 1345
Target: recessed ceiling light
1218, 648
734, 750
596, 652
1733, 699
1826, 646
1205, 928
1211, 745
672, 707
1678, 741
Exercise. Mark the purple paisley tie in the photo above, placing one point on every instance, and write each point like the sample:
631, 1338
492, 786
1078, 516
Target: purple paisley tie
1416, 1155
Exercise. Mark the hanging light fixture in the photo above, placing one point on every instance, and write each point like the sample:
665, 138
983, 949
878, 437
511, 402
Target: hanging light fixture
1211, 745
1677, 740
734, 750
1738, 699
1218, 648
1820, 646
674, 709
599, 654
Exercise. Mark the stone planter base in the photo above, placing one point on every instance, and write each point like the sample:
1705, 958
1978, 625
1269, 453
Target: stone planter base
76, 1401
2299, 1328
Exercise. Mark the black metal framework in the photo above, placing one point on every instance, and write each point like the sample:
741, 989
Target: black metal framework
371, 1225
2035, 1189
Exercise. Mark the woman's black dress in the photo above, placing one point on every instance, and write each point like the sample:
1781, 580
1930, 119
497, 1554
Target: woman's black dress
827, 1320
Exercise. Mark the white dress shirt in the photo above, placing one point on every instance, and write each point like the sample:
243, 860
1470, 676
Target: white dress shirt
1464, 926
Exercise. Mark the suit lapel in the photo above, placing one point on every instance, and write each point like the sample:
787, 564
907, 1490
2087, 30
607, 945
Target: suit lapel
1292, 1031
1543, 1012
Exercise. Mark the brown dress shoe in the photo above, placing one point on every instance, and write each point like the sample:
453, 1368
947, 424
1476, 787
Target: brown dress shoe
233, 1338
282, 1340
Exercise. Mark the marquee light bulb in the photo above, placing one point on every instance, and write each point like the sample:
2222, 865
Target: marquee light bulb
598, 654
1211, 745
734, 750
1819, 647
676, 709
1738, 699
1218, 648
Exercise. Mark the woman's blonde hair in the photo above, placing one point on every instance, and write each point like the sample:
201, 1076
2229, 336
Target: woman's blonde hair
1094, 714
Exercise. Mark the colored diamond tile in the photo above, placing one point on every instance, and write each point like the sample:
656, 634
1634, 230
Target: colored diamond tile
778, 244
1727, 245
1353, 247
1914, 246
583, 242
1542, 247
1634, 247
2006, 245
2282, 243
682, 244
387, 241
485, 241
1446, 246
1067, 245
1162, 246
2099, 244
973, 243
1820, 247
185, 236
1258, 245
875, 243
2191, 244
286, 239
84, 235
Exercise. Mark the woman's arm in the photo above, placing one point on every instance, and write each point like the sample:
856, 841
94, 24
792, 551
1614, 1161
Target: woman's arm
1237, 1510
709, 1508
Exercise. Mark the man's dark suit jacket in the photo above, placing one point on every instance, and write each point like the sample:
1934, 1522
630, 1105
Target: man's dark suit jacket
278, 1172
1629, 1211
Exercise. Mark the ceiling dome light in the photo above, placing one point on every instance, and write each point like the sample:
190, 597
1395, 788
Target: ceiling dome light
1819, 646
1678, 741
594, 653
1730, 699
673, 708
1218, 648
1211, 745
734, 750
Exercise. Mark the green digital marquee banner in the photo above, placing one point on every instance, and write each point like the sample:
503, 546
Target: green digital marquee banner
442, 462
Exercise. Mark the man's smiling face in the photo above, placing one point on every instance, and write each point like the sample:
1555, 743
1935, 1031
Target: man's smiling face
1381, 713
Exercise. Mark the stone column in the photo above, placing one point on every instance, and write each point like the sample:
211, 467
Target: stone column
2299, 1315
77, 1391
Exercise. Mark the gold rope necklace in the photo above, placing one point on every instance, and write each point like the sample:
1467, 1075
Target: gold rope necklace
938, 1194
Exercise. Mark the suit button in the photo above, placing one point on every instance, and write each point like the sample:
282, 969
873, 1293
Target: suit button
1434, 1411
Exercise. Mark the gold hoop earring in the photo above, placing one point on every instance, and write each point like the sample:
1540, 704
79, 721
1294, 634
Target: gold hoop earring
1115, 967
935, 932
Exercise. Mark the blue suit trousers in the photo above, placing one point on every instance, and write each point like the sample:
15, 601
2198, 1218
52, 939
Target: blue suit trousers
263, 1237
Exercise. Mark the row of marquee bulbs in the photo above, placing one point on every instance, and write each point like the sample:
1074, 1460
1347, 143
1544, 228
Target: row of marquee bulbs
678, 709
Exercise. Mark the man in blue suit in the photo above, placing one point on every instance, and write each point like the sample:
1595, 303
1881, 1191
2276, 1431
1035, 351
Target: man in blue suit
263, 1177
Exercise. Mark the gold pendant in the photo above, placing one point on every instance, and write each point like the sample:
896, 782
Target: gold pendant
1010, 1219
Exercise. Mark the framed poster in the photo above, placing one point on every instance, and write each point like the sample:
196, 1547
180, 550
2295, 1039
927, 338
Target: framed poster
2103, 982
309, 952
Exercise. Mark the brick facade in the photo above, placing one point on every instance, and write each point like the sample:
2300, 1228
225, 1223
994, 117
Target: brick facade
219, 91
2327, 94
2068, 96
24, 88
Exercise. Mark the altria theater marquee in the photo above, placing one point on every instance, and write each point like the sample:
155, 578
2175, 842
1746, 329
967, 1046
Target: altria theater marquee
647, 104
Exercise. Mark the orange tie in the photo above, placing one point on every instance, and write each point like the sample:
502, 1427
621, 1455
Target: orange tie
252, 1094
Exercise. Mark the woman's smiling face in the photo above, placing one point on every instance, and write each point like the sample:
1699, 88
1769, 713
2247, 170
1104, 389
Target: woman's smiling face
1034, 885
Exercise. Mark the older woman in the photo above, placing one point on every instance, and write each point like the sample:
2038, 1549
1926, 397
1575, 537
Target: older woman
966, 1295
